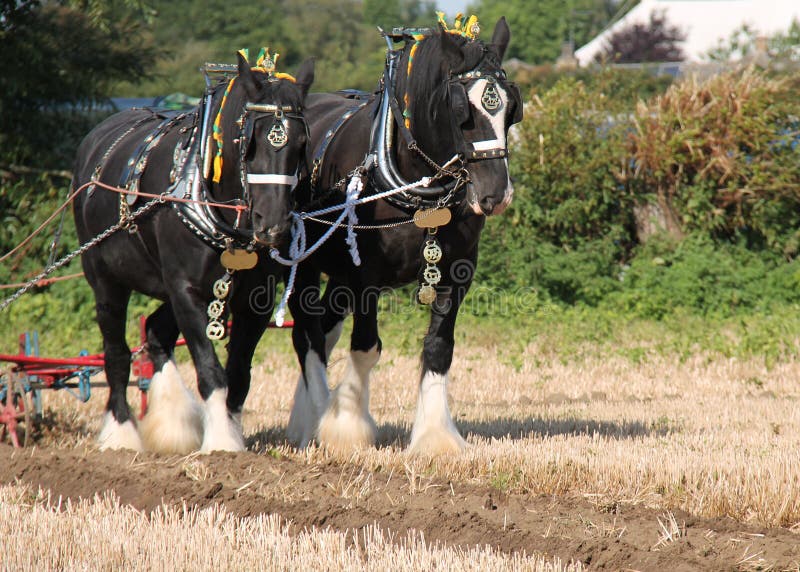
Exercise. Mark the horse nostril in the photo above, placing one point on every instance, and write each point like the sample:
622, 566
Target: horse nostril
258, 223
487, 205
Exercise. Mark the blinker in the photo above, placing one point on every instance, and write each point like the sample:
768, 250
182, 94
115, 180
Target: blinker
459, 102
516, 97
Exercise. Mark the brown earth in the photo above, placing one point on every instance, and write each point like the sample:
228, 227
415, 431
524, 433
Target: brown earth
344, 496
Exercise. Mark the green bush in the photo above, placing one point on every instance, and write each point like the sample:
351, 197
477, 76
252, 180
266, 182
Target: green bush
704, 277
571, 224
722, 157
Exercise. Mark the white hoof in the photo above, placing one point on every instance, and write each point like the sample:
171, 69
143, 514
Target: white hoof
114, 435
434, 432
300, 414
436, 442
221, 431
174, 419
344, 430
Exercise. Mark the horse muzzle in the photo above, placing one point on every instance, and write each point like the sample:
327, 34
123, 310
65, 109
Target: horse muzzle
274, 236
490, 205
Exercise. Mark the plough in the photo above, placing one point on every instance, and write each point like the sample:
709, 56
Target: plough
28, 373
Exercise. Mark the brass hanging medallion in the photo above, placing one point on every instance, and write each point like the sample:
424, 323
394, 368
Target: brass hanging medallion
215, 309
238, 259
426, 294
431, 275
221, 288
432, 253
432, 218
215, 330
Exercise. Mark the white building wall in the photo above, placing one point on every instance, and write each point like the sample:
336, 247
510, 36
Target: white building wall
705, 22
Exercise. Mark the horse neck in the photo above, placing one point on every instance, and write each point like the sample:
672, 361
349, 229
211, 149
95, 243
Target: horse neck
434, 137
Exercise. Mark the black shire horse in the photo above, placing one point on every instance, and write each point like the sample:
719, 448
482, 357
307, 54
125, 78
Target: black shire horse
457, 102
172, 252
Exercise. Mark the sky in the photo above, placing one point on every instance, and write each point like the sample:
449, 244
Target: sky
451, 7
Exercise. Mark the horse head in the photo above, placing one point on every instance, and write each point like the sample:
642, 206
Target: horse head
458, 101
270, 134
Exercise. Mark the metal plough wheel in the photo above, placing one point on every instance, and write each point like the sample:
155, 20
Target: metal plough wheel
15, 409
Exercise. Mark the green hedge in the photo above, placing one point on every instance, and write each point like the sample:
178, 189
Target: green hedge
705, 178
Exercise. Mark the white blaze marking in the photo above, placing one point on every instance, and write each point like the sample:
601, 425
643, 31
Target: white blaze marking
498, 123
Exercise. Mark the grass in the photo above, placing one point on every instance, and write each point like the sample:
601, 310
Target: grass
66, 326
694, 434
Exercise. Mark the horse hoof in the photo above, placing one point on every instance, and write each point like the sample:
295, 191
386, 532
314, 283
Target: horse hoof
231, 441
346, 431
302, 413
436, 443
174, 420
116, 435
221, 431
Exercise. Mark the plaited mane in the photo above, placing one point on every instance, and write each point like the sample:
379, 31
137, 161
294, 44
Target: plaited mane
269, 89
426, 82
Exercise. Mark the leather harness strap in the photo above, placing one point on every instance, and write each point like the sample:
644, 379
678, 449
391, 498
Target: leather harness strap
319, 153
134, 168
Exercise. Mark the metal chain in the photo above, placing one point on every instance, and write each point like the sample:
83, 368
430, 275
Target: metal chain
421, 216
69, 257
460, 174
361, 226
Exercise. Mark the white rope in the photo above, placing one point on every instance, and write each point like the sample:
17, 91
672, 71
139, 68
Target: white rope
353, 191
297, 247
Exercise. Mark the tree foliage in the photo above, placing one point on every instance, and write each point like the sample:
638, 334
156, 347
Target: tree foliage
340, 34
654, 41
57, 58
539, 28
597, 180
390, 13
724, 156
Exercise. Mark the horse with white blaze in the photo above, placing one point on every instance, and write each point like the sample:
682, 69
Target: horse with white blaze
442, 118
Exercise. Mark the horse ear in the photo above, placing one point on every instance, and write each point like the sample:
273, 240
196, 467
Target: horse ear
305, 75
451, 51
501, 36
246, 75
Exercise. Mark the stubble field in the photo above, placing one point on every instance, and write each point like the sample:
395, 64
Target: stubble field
589, 461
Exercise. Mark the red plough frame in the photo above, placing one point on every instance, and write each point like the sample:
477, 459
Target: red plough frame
21, 384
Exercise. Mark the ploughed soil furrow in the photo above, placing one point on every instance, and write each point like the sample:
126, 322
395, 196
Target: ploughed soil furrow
342, 496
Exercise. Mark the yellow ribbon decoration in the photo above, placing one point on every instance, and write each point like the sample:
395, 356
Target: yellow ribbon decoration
469, 29
264, 64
